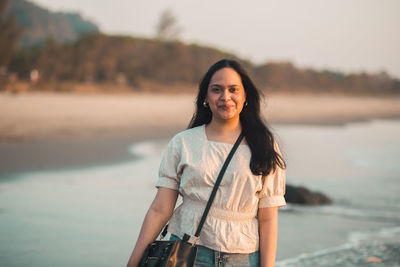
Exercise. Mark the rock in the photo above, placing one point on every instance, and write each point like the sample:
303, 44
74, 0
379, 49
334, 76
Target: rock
301, 195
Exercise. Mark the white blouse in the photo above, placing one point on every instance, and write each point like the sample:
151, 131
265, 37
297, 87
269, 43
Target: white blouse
191, 165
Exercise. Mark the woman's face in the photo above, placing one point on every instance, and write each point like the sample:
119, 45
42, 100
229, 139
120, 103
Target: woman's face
225, 94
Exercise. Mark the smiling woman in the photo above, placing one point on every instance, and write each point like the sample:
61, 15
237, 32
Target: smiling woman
241, 225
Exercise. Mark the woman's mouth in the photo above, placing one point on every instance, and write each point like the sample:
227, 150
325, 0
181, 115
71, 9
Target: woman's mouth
225, 107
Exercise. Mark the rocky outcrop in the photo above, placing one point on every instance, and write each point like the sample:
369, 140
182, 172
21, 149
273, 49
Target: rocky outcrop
302, 195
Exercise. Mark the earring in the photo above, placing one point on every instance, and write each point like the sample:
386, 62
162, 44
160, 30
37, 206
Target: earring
245, 103
205, 104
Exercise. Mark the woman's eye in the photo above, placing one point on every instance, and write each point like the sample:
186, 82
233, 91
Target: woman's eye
233, 89
215, 89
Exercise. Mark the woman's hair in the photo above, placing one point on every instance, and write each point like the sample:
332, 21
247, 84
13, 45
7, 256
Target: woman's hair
264, 158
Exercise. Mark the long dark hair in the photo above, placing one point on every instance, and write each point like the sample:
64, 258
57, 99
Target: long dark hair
264, 157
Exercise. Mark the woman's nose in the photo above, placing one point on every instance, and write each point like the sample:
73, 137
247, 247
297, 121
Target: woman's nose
226, 96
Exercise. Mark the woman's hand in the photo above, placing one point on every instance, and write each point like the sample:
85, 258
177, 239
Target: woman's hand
157, 216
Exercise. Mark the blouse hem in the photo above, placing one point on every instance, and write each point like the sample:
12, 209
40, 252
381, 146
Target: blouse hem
167, 183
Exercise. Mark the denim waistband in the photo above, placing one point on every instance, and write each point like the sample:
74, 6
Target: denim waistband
209, 257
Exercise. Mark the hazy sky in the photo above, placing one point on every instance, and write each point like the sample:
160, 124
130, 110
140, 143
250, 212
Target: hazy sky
345, 35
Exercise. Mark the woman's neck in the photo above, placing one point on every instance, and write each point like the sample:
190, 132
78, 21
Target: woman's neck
225, 127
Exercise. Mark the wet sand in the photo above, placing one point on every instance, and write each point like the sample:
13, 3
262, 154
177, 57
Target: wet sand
53, 130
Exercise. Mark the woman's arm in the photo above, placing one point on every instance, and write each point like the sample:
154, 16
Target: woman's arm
268, 231
157, 216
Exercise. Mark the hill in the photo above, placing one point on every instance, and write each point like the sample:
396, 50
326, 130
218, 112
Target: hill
138, 62
40, 24
64, 48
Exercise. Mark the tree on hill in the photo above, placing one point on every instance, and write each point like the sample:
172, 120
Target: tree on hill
10, 34
167, 27
145, 63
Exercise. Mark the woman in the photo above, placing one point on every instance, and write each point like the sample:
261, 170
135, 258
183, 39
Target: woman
241, 227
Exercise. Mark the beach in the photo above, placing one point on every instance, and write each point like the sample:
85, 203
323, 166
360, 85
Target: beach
54, 130
78, 173
44, 116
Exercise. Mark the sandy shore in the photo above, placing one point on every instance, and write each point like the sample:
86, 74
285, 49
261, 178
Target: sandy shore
47, 130
46, 116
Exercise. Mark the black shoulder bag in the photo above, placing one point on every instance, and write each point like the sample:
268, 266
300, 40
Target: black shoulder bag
182, 253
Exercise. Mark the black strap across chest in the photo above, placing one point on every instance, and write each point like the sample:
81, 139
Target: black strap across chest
214, 191
217, 183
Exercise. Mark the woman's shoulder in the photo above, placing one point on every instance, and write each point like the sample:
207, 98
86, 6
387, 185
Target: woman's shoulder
189, 135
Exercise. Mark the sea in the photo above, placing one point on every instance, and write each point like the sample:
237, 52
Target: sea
91, 216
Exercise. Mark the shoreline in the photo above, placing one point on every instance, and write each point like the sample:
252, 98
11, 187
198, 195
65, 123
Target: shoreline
380, 249
55, 116
41, 131
69, 153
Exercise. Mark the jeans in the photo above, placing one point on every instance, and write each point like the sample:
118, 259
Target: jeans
207, 257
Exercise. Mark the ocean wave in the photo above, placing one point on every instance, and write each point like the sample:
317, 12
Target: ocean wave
144, 149
378, 215
382, 245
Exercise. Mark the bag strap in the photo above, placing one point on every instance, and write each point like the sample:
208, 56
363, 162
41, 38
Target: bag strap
217, 183
213, 193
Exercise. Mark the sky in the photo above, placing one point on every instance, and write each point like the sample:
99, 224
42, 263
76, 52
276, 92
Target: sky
339, 35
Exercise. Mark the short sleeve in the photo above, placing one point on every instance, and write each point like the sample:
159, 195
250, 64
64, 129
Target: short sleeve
168, 175
273, 190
